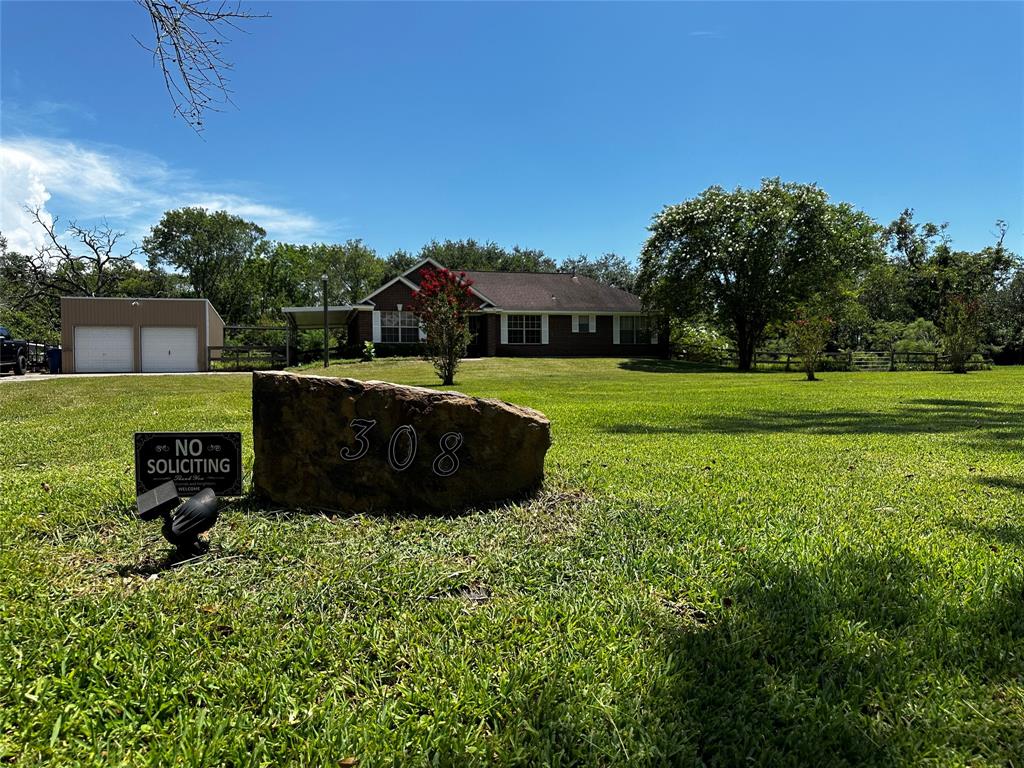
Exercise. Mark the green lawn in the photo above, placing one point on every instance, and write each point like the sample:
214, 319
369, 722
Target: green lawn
722, 568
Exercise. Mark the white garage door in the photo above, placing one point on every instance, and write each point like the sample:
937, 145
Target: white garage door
103, 349
170, 350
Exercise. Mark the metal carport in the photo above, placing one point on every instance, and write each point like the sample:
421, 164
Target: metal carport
312, 318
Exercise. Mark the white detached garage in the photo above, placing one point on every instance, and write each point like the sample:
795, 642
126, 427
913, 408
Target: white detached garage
169, 350
102, 335
100, 349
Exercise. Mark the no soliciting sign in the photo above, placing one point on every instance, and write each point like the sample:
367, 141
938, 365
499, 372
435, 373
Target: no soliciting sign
193, 460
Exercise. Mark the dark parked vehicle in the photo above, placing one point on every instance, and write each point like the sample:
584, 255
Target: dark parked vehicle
13, 353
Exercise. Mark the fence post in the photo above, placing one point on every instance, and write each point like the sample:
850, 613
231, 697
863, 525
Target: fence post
788, 356
935, 355
849, 360
892, 359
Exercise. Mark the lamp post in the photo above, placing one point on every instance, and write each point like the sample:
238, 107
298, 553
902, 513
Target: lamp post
327, 352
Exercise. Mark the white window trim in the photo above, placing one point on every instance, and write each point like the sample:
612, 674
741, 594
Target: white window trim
617, 333
421, 334
543, 330
376, 326
591, 323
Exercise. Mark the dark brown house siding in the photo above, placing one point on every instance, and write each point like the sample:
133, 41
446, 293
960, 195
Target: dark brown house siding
389, 299
562, 342
399, 293
360, 329
493, 334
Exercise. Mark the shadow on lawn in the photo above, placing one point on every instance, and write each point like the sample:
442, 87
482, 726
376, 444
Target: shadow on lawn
834, 664
1007, 531
1003, 482
553, 494
995, 424
172, 558
660, 365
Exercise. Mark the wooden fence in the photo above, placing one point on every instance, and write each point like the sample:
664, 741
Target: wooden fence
246, 357
871, 360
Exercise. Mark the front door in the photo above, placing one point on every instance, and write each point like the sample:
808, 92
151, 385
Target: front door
478, 332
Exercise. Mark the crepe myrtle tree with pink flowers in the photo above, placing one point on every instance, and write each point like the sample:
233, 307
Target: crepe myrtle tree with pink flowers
443, 303
808, 332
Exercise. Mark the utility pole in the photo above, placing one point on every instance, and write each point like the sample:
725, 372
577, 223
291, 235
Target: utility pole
327, 350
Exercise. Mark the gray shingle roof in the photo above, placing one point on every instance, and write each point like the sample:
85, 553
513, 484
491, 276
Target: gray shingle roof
552, 292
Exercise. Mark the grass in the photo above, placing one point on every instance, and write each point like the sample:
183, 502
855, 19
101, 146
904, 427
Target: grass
722, 568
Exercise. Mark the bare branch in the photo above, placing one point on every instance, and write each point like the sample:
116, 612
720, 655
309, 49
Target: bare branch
1000, 233
60, 269
188, 38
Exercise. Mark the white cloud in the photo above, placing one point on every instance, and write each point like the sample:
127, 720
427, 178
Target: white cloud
130, 190
21, 185
301, 228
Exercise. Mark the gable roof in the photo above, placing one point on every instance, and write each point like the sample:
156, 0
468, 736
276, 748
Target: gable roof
552, 291
534, 291
400, 279
406, 276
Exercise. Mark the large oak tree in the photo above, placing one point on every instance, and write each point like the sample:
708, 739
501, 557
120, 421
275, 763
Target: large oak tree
749, 257
215, 252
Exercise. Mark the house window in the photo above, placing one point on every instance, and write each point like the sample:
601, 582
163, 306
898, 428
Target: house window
524, 329
634, 330
399, 328
584, 323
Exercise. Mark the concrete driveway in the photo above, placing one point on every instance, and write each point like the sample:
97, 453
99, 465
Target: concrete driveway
10, 377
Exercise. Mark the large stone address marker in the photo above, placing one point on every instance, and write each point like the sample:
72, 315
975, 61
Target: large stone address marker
359, 446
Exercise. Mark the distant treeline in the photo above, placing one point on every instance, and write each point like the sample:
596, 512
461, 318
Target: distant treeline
192, 252
727, 268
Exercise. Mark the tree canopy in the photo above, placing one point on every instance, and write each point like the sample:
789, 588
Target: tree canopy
471, 255
610, 269
749, 257
738, 263
214, 251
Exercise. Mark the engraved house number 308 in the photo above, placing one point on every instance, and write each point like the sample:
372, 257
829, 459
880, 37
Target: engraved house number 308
446, 463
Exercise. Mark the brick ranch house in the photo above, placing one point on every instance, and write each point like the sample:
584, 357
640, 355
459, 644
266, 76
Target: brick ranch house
516, 314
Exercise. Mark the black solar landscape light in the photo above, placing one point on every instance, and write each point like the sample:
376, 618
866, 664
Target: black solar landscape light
196, 516
158, 502
182, 524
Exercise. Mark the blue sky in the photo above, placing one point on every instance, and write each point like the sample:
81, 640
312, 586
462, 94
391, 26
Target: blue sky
563, 127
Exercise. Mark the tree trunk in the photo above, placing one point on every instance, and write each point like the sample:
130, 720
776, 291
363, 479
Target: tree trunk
745, 346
